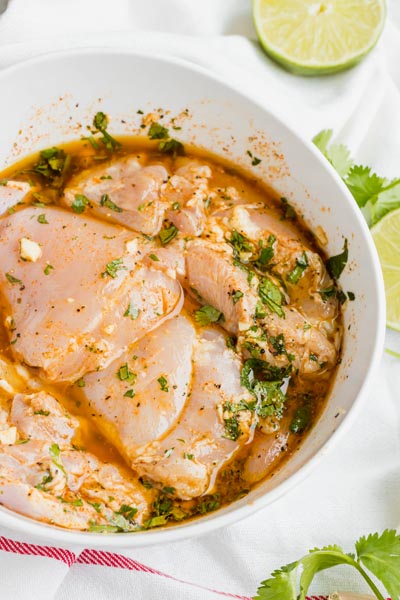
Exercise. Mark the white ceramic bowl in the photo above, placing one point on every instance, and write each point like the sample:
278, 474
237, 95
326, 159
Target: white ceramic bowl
50, 99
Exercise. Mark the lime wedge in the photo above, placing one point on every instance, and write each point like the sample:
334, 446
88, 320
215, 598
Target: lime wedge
386, 234
316, 37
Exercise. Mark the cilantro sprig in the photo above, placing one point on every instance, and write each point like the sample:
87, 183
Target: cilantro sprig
167, 144
376, 555
52, 165
375, 195
100, 124
207, 314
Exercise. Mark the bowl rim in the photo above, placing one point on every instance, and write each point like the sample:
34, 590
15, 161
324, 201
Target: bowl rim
212, 521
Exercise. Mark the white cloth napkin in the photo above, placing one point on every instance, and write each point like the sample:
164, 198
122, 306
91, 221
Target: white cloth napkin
356, 488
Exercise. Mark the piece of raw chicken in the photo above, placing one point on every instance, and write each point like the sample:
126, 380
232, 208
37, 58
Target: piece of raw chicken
186, 193
126, 192
266, 450
44, 477
211, 272
80, 295
191, 455
172, 430
288, 248
11, 194
127, 401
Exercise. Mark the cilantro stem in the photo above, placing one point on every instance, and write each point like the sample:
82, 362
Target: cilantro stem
392, 353
391, 185
368, 580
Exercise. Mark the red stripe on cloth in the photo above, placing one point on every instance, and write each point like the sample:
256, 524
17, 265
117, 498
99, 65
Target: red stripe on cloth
65, 556
109, 559
105, 559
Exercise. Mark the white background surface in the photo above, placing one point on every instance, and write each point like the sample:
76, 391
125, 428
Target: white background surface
356, 490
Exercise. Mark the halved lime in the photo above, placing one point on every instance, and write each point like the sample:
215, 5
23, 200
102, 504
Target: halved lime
316, 37
386, 234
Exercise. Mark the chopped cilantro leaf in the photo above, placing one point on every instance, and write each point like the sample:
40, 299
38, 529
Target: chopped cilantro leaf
13, 280
209, 505
266, 254
129, 394
157, 131
167, 234
327, 293
107, 202
254, 160
242, 247
146, 484
288, 210
77, 502
163, 383
113, 267
46, 479
301, 420
79, 204
156, 521
301, 265
102, 528
154, 257
55, 453
271, 296
124, 374
236, 296
260, 313
42, 219
278, 343
48, 269
264, 381
127, 511
51, 165
232, 428
207, 314
171, 146
336, 264
100, 121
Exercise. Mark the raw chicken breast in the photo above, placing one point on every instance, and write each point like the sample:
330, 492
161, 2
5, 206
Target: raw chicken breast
170, 259
264, 452
137, 405
41, 416
12, 193
211, 272
289, 248
189, 457
82, 297
125, 192
56, 483
185, 194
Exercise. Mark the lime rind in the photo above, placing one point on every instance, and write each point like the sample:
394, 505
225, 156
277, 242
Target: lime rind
386, 235
316, 66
